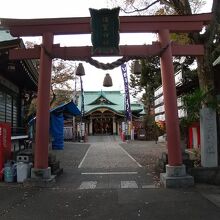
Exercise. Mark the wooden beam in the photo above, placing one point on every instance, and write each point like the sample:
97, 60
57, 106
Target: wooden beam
128, 24
22, 53
188, 50
83, 53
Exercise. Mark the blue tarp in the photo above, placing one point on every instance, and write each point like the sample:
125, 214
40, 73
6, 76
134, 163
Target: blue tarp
69, 108
56, 129
57, 117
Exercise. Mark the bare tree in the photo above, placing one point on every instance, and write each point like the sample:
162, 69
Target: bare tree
63, 75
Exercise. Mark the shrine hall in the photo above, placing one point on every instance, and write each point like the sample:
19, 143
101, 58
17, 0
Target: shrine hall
104, 111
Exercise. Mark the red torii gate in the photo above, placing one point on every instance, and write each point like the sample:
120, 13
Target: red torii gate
163, 25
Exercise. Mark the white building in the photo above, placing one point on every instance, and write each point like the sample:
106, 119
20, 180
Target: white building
159, 100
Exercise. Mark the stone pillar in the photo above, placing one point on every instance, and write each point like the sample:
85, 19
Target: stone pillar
90, 127
208, 128
74, 129
195, 137
118, 127
114, 126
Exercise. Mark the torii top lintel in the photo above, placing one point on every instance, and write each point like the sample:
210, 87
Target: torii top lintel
128, 24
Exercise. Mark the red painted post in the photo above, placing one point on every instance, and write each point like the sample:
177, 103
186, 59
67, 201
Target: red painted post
170, 102
43, 104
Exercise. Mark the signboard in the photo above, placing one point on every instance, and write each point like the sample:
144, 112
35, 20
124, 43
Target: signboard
5, 145
105, 31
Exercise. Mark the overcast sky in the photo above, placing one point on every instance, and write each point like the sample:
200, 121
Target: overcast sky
76, 8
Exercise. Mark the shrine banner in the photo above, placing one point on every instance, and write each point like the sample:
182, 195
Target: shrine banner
127, 96
105, 31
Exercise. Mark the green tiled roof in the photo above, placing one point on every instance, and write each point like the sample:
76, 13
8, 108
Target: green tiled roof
5, 35
137, 107
114, 100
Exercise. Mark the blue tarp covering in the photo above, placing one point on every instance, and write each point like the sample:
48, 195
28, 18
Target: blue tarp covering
56, 129
69, 108
57, 116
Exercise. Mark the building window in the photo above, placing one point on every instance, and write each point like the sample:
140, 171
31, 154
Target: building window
8, 108
8, 112
2, 106
15, 113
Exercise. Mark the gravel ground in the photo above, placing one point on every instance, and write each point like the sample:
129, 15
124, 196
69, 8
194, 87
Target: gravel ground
72, 156
146, 153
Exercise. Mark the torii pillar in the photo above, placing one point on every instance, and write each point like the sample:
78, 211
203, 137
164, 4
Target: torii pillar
41, 169
175, 175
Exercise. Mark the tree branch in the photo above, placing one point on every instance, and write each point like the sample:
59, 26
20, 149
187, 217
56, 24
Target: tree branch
213, 27
139, 10
181, 7
54, 96
167, 3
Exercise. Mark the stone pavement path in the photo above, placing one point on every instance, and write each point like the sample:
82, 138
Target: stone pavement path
107, 155
106, 165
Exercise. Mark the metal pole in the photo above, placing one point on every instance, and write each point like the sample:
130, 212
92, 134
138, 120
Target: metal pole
82, 109
74, 135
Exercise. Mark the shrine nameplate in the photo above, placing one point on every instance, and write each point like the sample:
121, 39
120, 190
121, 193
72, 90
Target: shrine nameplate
105, 31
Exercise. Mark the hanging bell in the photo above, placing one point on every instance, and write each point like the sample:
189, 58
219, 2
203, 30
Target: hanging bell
80, 70
107, 81
137, 67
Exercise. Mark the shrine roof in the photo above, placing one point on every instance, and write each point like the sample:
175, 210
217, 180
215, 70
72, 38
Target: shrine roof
23, 73
5, 35
112, 100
